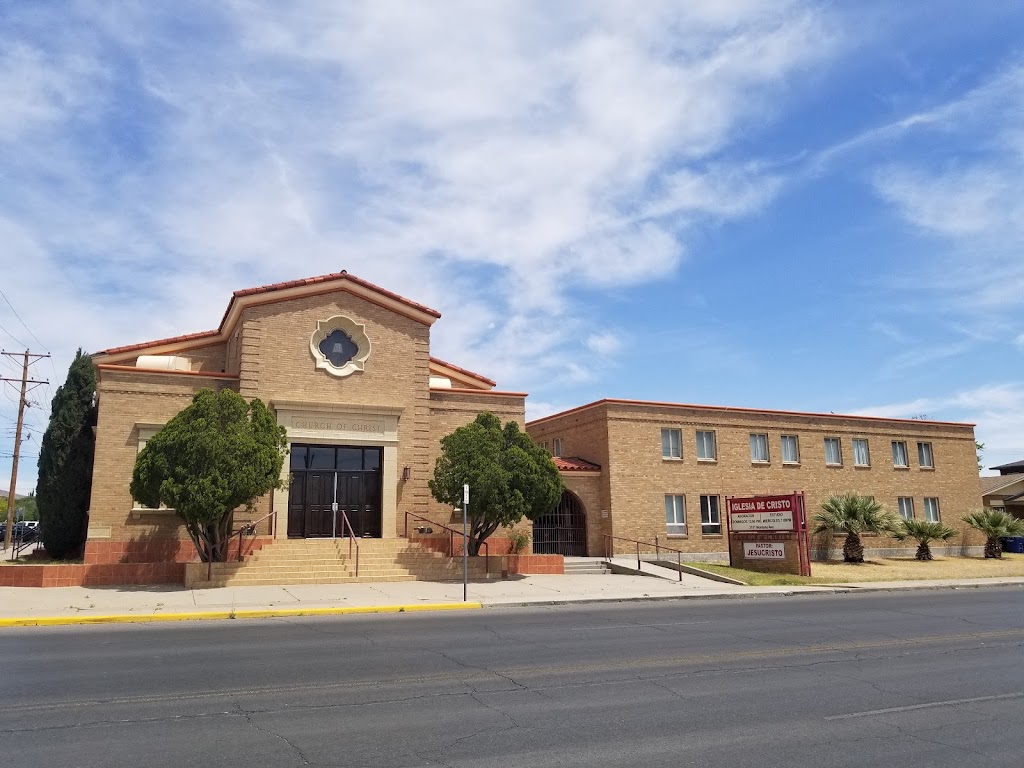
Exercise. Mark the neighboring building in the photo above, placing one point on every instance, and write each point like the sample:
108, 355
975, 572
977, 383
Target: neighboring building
346, 367
640, 470
1005, 490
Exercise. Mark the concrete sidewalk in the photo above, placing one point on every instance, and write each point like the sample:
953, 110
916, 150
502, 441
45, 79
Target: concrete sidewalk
21, 606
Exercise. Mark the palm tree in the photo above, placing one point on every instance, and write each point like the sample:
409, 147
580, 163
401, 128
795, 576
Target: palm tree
853, 515
923, 532
994, 524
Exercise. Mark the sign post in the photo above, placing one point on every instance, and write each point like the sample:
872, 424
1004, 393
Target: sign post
465, 544
769, 533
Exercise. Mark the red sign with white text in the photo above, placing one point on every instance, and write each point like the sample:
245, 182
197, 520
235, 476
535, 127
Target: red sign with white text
764, 513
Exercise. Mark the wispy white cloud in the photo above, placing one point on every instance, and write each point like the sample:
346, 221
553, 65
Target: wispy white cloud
489, 159
550, 148
969, 200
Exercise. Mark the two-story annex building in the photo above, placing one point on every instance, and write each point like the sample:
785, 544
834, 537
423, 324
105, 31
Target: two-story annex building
346, 367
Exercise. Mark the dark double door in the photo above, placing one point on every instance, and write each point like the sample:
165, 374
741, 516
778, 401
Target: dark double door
327, 481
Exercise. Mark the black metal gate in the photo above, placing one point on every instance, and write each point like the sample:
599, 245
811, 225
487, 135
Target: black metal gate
563, 531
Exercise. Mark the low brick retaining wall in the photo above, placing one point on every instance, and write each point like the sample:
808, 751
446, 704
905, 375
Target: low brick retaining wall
112, 563
535, 564
91, 575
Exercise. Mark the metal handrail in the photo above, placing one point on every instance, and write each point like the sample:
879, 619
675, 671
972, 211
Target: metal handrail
351, 538
249, 529
452, 533
657, 550
20, 544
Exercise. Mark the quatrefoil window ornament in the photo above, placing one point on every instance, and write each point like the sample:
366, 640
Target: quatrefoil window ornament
339, 346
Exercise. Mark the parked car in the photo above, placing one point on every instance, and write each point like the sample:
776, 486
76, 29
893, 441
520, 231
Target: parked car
25, 530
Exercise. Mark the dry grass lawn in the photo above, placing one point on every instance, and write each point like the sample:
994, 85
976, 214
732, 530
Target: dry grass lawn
906, 568
883, 569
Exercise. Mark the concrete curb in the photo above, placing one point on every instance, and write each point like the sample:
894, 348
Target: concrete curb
255, 613
819, 590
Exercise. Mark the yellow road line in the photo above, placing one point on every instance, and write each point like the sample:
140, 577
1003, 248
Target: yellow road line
255, 613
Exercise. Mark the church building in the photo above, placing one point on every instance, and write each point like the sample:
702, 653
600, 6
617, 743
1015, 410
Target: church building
346, 367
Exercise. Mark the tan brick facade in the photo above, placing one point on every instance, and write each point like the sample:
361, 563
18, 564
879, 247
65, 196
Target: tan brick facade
625, 439
401, 400
263, 350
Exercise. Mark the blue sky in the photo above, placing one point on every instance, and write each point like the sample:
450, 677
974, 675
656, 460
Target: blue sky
793, 205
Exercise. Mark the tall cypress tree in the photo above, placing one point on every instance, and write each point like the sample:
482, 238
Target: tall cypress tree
65, 462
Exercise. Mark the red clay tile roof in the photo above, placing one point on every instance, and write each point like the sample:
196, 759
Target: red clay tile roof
575, 464
158, 342
471, 374
341, 276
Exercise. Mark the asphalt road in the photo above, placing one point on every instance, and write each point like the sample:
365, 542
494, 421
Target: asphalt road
904, 679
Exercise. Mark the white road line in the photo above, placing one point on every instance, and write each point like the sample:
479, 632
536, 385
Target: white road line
950, 703
638, 626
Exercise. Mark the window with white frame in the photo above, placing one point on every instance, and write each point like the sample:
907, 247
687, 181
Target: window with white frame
556, 447
759, 447
905, 505
671, 444
924, 455
833, 452
710, 518
145, 432
861, 455
899, 453
675, 514
790, 449
706, 450
545, 445
931, 510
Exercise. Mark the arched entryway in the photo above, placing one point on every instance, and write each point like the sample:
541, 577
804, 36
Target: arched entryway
564, 530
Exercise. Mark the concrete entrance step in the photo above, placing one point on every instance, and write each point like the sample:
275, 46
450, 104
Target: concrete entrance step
327, 561
583, 565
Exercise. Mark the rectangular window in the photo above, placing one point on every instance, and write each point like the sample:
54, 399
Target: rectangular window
675, 514
759, 447
790, 449
899, 453
931, 510
833, 452
556, 447
146, 431
545, 445
861, 456
924, 455
706, 445
671, 444
710, 519
906, 507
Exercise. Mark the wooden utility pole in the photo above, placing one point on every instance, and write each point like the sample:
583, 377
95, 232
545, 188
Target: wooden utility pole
22, 404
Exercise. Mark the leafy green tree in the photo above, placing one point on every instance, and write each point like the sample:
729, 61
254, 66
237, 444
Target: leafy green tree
509, 476
218, 454
852, 514
26, 507
65, 462
923, 532
979, 449
994, 524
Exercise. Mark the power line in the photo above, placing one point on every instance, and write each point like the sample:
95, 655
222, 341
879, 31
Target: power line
29, 359
23, 324
16, 339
